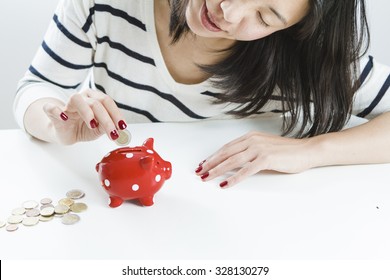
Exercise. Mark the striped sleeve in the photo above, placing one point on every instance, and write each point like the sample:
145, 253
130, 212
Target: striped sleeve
373, 96
64, 59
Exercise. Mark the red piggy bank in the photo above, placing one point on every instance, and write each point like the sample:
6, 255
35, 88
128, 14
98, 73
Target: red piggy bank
133, 173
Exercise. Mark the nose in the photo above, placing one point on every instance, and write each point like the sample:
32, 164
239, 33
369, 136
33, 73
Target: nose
232, 12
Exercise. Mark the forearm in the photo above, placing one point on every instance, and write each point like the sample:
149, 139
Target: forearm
363, 144
37, 123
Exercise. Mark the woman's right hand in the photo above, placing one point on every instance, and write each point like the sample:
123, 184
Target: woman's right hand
88, 115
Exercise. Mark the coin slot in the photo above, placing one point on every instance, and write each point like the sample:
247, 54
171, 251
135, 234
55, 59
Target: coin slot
125, 151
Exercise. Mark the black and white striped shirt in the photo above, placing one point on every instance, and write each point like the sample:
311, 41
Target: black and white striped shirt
112, 46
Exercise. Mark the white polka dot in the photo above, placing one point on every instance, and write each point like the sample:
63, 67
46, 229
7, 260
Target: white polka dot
107, 183
135, 187
129, 155
158, 178
149, 151
107, 155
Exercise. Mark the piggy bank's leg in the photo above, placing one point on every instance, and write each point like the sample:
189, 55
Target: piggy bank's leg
146, 201
115, 201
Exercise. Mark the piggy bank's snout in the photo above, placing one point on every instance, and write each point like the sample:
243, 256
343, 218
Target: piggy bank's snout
168, 170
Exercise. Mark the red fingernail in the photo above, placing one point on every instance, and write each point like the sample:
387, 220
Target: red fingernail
223, 184
204, 176
114, 135
122, 125
93, 123
63, 116
198, 169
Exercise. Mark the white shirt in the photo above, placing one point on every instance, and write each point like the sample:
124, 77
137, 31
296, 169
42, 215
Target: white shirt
112, 46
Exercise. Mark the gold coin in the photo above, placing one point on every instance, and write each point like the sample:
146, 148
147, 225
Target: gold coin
31, 204
46, 218
2, 223
46, 200
61, 209
70, 219
48, 211
12, 227
75, 194
19, 211
124, 138
30, 221
66, 201
15, 219
33, 213
78, 207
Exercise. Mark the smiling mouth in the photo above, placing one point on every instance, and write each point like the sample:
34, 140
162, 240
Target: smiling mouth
207, 21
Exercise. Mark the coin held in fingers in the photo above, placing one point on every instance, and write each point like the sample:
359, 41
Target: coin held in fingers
124, 138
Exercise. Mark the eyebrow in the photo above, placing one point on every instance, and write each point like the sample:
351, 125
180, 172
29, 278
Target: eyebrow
279, 16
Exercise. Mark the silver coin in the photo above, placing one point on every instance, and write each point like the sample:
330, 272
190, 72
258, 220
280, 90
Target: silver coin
75, 194
48, 211
33, 213
12, 227
31, 204
46, 205
58, 215
61, 209
78, 207
124, 138
66, 201
19, 211
46, 200
2, 223
70, 219
15, 219
30, 221
46, 218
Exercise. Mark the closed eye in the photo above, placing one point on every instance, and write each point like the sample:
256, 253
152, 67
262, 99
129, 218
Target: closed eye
261, 20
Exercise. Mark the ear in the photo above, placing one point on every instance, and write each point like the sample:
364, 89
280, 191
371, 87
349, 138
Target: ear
146, 162
149, 143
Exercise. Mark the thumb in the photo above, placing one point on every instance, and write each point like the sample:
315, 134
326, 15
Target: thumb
54, 112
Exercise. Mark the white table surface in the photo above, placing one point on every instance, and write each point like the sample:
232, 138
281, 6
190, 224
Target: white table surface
324, 213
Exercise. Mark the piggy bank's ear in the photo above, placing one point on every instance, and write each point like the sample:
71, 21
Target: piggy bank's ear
149, 143
146, 162
97, 167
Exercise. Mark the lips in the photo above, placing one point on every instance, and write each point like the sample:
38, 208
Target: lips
207, 20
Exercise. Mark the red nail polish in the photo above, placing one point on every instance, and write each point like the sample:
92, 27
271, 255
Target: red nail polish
204, 176
63, 116
114, 135
93, 123
122, 125
198, 169
223, 184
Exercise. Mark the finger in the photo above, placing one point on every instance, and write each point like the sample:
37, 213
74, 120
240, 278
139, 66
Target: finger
223, 154
245, 172
78, 104
103, 118
231, 163
110, 106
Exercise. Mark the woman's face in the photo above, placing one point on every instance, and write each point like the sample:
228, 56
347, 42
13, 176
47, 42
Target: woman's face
243, 20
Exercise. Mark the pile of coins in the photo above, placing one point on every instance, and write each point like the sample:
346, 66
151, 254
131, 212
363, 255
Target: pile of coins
124, 138
31, 213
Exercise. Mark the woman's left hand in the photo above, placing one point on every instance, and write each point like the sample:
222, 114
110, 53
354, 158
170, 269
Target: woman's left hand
254, 152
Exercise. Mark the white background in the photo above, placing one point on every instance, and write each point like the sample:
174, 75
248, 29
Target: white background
24, 22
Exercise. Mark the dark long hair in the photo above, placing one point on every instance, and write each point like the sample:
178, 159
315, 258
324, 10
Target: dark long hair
312, 66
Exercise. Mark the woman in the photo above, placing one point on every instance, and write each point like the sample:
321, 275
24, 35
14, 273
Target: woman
211, 59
